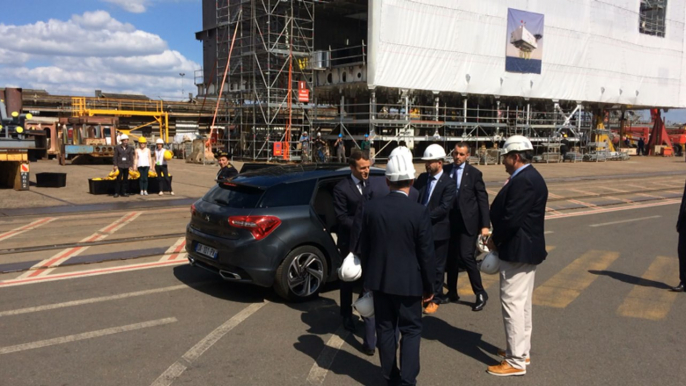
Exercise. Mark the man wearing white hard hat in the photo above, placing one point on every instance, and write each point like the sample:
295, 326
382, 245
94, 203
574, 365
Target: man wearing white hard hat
398, 265
437, 194
517, 215
123, 161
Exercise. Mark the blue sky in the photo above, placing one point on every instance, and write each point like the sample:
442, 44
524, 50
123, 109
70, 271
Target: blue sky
76, 46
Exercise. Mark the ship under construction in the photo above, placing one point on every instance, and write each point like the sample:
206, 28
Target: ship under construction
281, 69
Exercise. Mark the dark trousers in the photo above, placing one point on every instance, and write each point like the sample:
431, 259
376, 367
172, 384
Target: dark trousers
347, 289
121, 181
441, 253
682, 257
163, 178
143, 180
404, 313
461, 253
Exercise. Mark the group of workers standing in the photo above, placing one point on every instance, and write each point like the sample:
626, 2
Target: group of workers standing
126, 159
416, 230
319, 146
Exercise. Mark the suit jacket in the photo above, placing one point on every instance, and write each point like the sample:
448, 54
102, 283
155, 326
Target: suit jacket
681, 222
226, 172
440, 203
396, 247
123, 158
471, 201
517, 214
347, 203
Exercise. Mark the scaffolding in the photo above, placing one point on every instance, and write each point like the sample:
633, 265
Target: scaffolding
269, 62
274, 54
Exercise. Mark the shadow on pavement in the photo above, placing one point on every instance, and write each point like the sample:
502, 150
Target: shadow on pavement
322, 318
213, 285
466, 342
635, 280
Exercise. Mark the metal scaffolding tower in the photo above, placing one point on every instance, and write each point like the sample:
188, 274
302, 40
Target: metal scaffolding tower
273, 44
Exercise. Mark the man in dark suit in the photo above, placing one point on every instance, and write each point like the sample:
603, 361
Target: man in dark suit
437, 193
396, 250
348, 198
681, 228
468, 221
518, 214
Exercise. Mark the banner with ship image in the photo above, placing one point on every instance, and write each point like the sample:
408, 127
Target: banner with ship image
524, 42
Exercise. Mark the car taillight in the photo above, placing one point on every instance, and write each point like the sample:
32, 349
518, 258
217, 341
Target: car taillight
192, 209
259, 226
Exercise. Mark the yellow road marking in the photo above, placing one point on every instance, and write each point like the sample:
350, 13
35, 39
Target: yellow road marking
648, 302
565, 286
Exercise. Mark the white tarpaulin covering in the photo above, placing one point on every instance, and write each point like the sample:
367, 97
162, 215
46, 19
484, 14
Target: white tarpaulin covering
593, 50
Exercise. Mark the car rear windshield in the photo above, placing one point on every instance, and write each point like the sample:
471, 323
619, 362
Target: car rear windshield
234, 196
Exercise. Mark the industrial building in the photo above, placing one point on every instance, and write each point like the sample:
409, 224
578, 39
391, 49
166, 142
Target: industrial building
438, 71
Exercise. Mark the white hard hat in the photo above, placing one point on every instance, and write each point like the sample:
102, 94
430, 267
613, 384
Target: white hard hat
434, 152
159, 141
123, 137
365, 305
400, 166
351, 269
516, 143
490, 264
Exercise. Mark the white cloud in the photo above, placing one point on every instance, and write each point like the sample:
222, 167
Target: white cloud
88, 52
133, 6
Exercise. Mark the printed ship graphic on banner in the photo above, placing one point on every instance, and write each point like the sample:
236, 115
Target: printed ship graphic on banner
525, 42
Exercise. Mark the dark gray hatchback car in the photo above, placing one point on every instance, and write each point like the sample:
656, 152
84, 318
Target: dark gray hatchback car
270, 227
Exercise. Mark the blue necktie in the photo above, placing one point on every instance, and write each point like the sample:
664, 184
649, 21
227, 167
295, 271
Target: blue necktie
427, 192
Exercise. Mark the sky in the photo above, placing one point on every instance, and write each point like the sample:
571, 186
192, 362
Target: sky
73, 47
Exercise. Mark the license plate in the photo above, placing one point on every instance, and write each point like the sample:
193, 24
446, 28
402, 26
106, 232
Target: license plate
205, 250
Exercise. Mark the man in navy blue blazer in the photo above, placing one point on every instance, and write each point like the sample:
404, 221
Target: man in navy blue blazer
517, 215
437, 193
349, 195
398, 264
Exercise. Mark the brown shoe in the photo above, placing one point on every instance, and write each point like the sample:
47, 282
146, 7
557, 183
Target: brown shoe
502, 353
504, 370
431, 308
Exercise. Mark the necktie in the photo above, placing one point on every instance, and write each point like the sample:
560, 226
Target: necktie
427, 192
507, 180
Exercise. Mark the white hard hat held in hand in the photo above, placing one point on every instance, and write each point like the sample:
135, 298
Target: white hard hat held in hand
365, 305
434, 152
351, 268
490, 265
400, 166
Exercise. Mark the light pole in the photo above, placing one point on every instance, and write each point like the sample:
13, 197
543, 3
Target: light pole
182, 74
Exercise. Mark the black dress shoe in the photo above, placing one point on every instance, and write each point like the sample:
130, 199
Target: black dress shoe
453, 297
349, 323
441, 299
368, 351
116, 195
679, 288
125, 195
481, 300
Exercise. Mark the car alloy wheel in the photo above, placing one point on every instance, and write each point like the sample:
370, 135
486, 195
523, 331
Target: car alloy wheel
305, 274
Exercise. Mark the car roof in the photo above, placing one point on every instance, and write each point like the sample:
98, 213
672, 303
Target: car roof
266, 177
